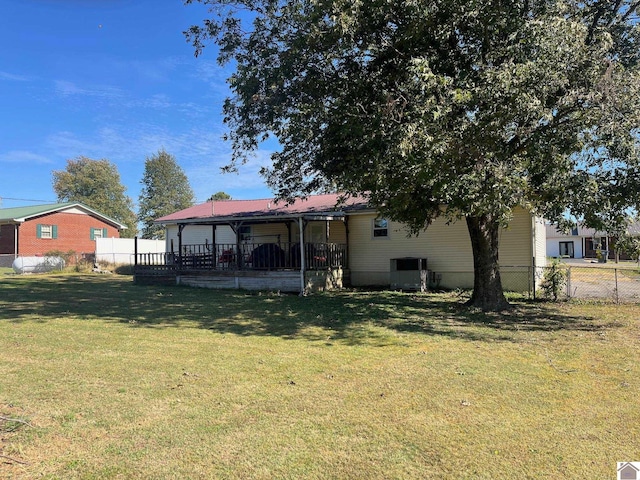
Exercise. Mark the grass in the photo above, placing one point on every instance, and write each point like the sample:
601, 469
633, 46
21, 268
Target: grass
124, 381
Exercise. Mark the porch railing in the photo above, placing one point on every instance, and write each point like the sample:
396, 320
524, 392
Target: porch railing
246, 256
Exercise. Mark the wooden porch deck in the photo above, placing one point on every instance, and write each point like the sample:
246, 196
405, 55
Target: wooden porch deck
265, 266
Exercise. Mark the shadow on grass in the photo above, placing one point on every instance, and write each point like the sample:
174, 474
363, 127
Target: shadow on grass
349, 316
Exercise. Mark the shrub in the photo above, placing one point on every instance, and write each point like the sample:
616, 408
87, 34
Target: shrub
554, 280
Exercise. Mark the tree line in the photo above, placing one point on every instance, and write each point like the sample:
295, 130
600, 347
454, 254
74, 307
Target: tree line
97, 184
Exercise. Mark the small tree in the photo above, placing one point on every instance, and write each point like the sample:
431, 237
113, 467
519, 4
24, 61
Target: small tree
165, 189
629, 244
96, 183
554, 280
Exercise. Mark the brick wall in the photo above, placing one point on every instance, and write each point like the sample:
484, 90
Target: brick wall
73, 233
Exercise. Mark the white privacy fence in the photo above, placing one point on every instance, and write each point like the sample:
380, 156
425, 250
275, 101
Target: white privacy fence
121, 250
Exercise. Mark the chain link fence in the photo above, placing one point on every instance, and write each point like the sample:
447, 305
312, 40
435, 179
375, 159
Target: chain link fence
598, 282
616, 284
6, 260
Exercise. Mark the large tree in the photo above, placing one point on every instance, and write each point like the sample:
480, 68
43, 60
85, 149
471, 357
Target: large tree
96, 183
457, 108
165, 189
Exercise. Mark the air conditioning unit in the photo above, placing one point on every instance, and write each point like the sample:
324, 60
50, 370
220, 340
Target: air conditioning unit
409, 273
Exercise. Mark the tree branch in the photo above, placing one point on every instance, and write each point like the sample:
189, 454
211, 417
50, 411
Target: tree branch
15, 460
17, 420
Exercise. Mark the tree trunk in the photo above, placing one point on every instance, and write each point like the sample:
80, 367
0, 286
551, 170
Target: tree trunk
487, 286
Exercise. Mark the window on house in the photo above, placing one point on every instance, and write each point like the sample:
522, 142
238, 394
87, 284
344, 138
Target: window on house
574, 231
380, 227
46, 231
566, 249
98, 233
244, 234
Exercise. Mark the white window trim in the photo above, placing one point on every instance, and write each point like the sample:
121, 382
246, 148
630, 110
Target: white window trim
374, 229
46, 232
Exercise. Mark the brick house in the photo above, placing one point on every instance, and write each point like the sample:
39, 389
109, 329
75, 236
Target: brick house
38, 229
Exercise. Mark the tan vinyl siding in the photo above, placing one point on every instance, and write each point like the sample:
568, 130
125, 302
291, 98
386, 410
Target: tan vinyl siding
337, 231
516, 242
270, 233
447, 249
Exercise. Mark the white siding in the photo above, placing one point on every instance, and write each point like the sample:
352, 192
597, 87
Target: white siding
198, 235
554, 237
553, 245
541, 242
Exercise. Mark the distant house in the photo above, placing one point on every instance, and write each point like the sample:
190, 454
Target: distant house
583, 242
38, 229
261, 244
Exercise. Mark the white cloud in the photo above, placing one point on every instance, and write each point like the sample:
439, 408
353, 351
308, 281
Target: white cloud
23, 156
65, 88
13, 77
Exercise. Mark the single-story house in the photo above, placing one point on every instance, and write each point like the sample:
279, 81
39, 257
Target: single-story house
259, 244
583, 242
63, 227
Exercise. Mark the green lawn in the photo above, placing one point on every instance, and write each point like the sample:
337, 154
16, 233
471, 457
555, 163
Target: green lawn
132, 382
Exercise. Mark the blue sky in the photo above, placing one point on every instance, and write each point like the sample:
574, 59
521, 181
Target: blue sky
110, 79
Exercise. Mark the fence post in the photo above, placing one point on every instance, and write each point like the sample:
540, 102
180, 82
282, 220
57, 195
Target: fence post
615, 274
569, 282
532, 279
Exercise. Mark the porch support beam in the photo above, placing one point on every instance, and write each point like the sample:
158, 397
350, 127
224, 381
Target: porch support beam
235, 226
214, 255
180, 228
15, 241
346, 231
301, 225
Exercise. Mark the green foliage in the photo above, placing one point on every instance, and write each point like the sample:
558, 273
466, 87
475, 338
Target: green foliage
629, 244
219, 196
96, 183
461, 109
165, 189
555, 280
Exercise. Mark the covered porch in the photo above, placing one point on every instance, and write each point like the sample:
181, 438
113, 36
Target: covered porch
287, 253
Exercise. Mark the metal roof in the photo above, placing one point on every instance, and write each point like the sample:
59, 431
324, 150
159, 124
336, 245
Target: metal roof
326, 205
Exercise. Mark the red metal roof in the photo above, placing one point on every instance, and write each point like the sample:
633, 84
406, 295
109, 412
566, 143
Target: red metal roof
265, 207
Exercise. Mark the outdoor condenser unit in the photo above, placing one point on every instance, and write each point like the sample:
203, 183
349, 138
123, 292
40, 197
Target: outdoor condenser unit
409, 273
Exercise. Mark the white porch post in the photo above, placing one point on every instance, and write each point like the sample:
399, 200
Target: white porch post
302, 255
